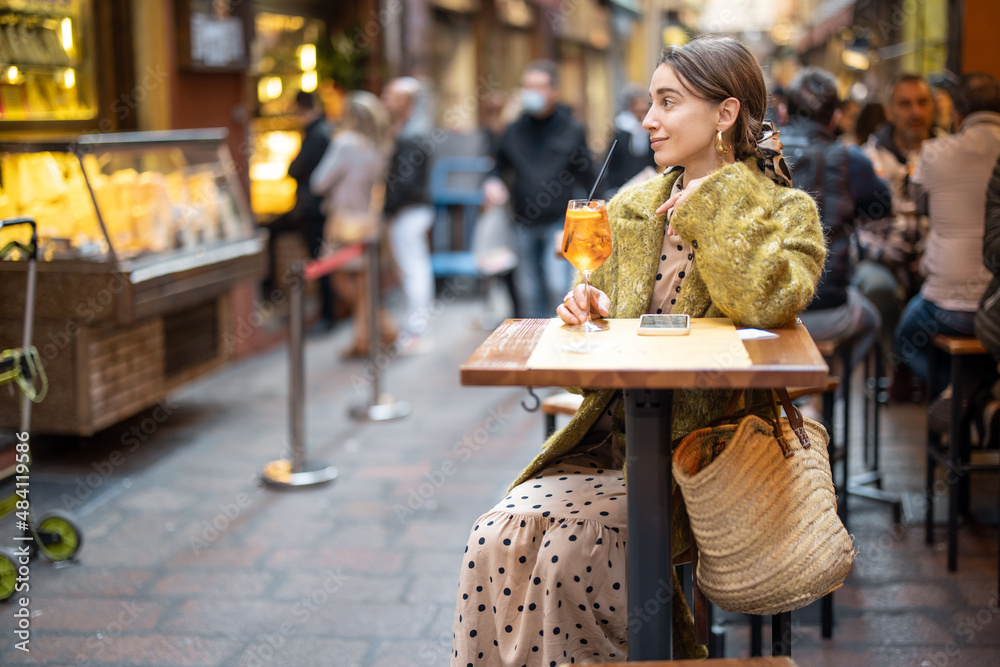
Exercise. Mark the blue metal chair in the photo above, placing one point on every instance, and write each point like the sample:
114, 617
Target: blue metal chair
456, 208
457, 195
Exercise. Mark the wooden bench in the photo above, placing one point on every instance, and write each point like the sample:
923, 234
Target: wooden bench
832, 384
561, 403
967, 369
955, 345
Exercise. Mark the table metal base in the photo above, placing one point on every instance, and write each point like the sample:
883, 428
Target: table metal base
387, 408
279, 473
651, 584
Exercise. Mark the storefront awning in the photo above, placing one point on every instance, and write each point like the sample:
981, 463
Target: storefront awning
831, 16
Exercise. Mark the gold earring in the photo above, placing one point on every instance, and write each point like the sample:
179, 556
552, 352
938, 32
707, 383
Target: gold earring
719, 146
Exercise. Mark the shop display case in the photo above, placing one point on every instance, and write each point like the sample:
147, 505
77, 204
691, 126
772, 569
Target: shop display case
46, 60
284, 62
142, 236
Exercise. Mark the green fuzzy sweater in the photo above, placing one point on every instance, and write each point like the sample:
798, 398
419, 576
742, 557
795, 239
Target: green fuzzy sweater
759, 252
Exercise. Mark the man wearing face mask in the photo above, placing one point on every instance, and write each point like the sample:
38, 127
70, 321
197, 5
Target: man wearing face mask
542, 162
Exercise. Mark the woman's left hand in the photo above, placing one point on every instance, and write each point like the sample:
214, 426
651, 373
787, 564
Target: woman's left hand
678, 199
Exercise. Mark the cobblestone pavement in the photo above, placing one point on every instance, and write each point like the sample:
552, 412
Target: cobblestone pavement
189, 561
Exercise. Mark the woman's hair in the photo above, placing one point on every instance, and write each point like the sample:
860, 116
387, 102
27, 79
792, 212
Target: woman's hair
715, 68
366, 115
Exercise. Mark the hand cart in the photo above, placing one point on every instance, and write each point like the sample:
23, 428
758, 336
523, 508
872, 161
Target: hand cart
55, 535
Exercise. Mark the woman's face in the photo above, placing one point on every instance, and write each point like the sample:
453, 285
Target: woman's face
681, 126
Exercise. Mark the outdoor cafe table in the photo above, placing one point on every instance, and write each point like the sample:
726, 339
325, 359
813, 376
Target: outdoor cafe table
788, 359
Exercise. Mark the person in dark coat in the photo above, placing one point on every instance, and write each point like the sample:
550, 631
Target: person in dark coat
633, 152
544, 160
987, 320
842, 181
305, 218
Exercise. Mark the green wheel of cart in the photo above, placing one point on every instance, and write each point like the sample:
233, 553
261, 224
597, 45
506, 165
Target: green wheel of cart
57, 537
8, 573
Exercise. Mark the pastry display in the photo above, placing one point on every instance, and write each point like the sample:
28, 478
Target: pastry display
144, 211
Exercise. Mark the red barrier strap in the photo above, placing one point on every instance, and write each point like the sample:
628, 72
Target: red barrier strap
323, 266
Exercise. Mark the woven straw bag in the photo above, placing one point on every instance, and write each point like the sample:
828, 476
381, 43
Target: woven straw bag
763, 512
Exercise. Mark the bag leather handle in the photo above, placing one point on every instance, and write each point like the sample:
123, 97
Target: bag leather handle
792, 413
794, 417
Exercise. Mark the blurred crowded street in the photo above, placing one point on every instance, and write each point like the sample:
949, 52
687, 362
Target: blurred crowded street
246, 247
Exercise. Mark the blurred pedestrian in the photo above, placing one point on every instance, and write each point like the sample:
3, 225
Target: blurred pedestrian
987, 320
407, 204
871, 116
890, 248
543, 161
352, 168
495, 123
633, 153
777, 109
494, 234
944, 117
846, 130
950, 182
306, 217
843, 182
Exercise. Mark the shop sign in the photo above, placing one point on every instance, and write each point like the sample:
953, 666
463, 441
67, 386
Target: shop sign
212, 35
216, 42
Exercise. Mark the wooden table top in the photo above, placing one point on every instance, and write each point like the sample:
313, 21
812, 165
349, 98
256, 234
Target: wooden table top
791, 359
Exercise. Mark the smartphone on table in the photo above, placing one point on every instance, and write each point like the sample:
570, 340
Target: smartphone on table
664, 325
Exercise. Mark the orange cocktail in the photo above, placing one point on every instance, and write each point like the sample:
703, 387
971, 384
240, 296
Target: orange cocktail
587, 236
586, 244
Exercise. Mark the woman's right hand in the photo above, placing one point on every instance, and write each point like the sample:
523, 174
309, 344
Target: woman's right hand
574, 306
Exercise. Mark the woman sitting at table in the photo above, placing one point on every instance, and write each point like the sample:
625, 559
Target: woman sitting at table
720, 234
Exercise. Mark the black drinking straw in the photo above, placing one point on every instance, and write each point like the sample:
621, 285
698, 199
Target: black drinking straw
600, 176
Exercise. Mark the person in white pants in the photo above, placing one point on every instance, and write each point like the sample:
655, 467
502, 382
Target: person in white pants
407, 203
408, 230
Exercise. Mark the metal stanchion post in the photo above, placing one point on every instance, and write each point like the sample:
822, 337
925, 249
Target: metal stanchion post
29, 327
297, 472
382, 407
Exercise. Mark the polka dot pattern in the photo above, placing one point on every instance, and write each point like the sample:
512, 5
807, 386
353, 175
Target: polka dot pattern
534, 597
676, 256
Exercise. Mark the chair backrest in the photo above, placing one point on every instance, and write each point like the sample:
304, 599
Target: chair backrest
457, 183
444, 190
